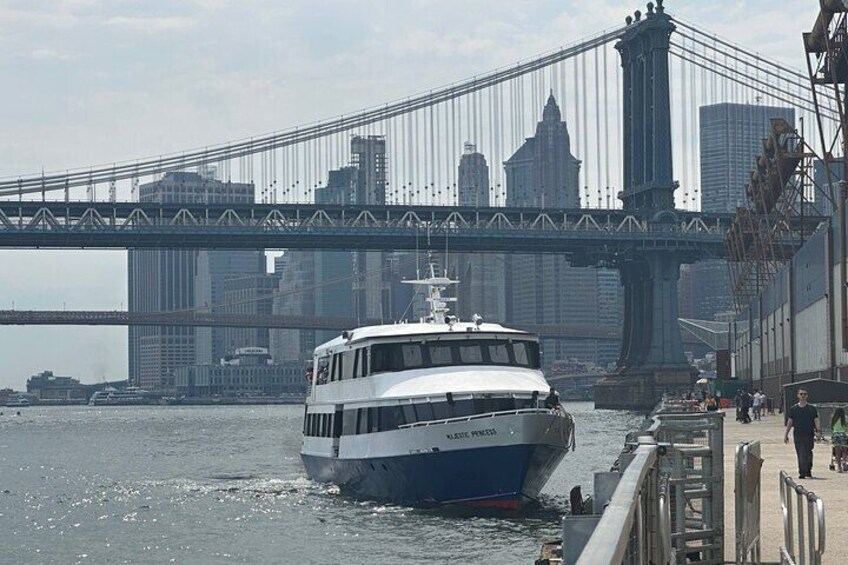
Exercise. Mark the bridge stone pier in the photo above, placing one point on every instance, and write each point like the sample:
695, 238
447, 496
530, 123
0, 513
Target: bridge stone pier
651, 360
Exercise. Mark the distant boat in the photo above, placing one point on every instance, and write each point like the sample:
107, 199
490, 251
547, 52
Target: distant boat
17, 402
110, 396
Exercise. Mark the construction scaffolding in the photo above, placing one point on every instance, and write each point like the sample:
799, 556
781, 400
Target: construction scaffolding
782, 212
827, 65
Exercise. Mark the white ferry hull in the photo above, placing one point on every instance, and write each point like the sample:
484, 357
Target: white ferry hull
490, 461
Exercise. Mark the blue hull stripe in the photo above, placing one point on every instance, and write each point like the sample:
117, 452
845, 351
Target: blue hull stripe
489, 473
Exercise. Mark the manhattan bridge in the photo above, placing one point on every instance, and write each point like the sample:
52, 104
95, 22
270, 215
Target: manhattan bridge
630, 96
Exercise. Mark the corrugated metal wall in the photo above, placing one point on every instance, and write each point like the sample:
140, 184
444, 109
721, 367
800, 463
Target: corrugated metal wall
790, 322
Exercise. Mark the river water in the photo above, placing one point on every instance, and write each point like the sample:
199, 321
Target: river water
218, 484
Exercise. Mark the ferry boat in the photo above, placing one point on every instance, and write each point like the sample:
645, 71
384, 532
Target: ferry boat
17, 402
439, 411
110, 396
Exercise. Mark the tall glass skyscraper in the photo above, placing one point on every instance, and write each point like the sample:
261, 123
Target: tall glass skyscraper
731, 139
166, 279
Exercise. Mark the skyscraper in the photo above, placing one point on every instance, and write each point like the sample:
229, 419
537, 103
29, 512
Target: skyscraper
731, 139
250, 295
368, 155
543, 173
340, 284
164, 279
545, 289
473, 178
481, 275
213, 269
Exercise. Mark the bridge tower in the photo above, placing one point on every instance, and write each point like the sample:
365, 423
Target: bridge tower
651, 360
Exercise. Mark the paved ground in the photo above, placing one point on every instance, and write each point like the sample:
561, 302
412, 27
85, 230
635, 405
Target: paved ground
830, 486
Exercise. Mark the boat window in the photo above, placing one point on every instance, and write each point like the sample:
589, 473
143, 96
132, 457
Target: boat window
356, 362
526, 353
349, 425
387, 418
337, 422
323, 370
362, 421
504, 404
462, 408
409, 414
470, 353
412, 357
373, 420
383, 358
440, 354
347, 368
339, 365
441, 411
498, 353
363, 359
424, 412
521, 403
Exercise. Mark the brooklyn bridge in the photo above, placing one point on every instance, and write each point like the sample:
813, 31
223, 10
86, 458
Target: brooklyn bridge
631, 96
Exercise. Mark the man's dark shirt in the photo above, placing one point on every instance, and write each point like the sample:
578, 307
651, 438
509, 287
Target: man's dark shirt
803, 419
552, 401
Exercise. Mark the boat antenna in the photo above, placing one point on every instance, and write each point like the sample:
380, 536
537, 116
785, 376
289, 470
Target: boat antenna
438, 303
417, 267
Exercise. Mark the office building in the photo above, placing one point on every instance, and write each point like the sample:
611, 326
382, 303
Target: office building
482, 283
731, 138
214, 269
248, 372
545, 289
164, 279
249, 296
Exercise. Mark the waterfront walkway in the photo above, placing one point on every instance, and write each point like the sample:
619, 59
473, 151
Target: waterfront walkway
828, 485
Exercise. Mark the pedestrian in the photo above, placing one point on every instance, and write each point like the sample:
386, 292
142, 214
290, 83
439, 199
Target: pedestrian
738, 402
711, 403
838, 438
803, 419
757, 404
745, 406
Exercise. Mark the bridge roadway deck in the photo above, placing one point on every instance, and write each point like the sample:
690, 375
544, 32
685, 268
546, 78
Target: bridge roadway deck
590, 232
829, 485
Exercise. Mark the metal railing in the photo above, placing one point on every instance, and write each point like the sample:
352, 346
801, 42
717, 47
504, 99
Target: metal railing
483, 416
668, 505
811, 528
620, 536
747, 497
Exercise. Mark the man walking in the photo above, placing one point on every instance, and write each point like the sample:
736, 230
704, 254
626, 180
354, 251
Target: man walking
758, 404
804, 418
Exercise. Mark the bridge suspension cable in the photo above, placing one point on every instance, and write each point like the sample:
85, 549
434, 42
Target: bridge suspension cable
47, 182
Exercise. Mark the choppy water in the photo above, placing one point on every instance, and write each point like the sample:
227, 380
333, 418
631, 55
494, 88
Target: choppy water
207, 485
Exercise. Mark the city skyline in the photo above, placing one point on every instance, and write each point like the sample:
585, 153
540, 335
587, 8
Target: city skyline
47, 48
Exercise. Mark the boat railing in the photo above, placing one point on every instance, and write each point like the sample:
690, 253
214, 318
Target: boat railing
483, 416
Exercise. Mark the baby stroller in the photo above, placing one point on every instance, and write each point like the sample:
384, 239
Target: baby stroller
839, 461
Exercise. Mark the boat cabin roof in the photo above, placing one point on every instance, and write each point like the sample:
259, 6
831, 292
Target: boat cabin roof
399, 331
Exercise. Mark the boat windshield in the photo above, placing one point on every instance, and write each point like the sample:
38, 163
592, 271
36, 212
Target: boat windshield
403, 356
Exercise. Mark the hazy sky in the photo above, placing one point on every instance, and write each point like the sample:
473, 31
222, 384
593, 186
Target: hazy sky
94, 81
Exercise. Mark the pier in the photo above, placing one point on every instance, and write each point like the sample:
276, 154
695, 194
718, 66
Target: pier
676, 490
828, 485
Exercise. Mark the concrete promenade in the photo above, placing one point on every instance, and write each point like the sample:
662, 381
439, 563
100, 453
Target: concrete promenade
830, 486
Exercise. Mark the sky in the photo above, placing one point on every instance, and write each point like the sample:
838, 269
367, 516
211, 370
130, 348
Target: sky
87, 82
